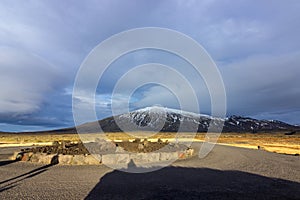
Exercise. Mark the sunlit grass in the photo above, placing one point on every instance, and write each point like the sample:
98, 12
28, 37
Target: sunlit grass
273, 142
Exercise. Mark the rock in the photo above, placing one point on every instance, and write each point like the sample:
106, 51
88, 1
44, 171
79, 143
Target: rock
189, 152
164, 156
120, 149
45, 159
68, 143
26, 156
78, 160
19, 156
35, 157
106, 152
160, 141
137, 140
146, 143
181, 155
115, 159
63, 144
145, 157
105, 145
83, 160
91, 160
65, 159
140, 147
100, 141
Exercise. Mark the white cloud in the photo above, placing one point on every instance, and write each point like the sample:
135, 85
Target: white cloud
25, 81
62, 34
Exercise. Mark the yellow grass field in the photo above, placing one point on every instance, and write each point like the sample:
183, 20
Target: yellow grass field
273, 142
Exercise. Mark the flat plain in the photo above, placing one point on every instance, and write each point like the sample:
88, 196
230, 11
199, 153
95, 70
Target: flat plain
272, 142
228, 172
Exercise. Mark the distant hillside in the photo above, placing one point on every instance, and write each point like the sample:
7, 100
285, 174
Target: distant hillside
169, 120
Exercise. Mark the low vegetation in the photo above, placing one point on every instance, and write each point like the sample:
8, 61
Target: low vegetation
273, 142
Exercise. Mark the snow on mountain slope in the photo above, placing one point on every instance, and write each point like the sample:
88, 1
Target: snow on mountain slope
171, 120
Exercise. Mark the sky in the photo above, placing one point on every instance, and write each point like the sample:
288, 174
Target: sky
255, 45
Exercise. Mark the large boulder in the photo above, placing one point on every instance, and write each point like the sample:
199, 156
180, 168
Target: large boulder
65, 159
85, 160
105, 146
145, 157
116, 159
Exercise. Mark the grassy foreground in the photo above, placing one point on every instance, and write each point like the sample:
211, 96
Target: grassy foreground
273, 142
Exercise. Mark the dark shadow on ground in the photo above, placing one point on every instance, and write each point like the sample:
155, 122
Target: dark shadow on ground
10, 183
192, 183
6, 162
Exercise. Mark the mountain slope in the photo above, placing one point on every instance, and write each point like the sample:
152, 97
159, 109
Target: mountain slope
172, 120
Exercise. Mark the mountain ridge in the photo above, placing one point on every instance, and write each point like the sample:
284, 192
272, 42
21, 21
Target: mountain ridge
161, 119
146, 119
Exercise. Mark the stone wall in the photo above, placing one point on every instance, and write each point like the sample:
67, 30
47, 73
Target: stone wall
108, 159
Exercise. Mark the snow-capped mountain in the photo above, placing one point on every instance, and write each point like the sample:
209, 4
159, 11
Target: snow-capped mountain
246, 124
172, 120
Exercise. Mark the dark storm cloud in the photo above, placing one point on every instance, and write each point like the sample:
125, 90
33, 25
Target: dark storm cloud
264, 85
255, 44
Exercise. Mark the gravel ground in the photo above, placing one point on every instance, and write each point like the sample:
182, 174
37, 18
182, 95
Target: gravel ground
226, 173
